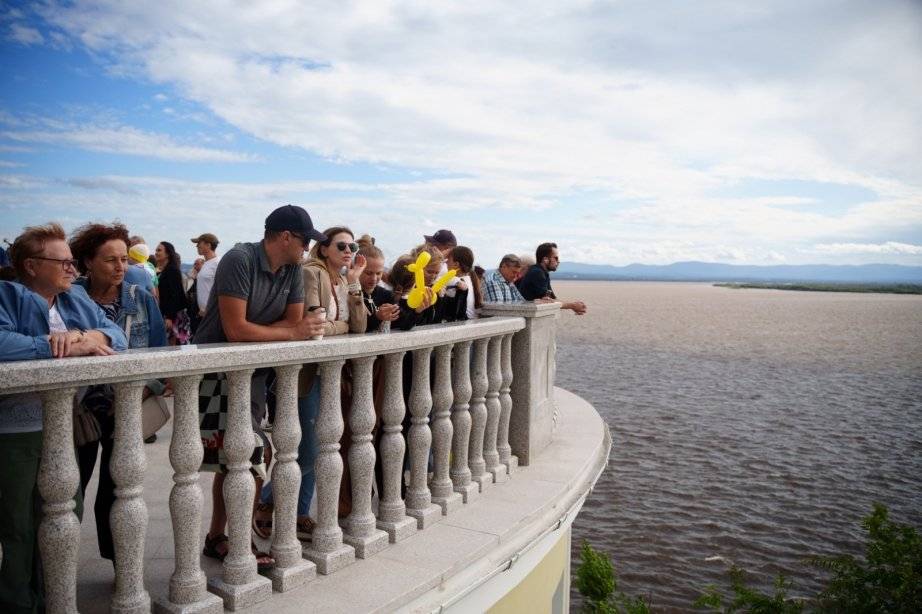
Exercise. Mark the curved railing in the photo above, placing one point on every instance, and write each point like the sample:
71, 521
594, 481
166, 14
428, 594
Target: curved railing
462, 402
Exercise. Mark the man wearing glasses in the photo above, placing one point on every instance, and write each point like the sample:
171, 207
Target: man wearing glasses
258, 295
535, 285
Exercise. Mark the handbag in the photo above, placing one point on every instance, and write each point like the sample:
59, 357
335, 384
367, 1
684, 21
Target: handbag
86, 426
154, 410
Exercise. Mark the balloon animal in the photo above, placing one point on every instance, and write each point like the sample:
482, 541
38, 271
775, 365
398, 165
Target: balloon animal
415, 298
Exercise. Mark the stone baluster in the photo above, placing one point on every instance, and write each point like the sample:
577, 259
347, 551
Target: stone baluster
291, 570
443, 493
505, 400
58, 480
461, 422
187, 584
419, 499
129, 512
327, 549
361, 530
494, 409
240, 586
478, 410
392, 516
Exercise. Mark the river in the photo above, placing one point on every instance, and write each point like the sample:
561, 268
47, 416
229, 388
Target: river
749, 426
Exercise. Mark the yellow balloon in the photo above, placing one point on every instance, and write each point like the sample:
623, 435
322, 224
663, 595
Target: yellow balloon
442, 281
415, 298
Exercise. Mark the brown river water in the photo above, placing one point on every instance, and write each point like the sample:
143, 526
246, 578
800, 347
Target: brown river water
749, 426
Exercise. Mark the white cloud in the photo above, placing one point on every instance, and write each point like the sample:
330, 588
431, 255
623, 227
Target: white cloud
8, 164
125, 140
25, 35
652, 109
890, 247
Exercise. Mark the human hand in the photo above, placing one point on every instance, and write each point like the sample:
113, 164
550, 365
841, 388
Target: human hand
311, 325
168, 324
356, 268
60, 342
428, 299
578, 307
387, 312
92, 343
461, 285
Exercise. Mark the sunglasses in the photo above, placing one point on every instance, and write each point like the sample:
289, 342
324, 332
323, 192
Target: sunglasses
342, 246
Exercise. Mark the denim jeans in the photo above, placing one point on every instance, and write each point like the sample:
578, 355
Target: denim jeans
308, 409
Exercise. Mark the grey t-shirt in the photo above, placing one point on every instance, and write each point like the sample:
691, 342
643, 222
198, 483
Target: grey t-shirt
244, 273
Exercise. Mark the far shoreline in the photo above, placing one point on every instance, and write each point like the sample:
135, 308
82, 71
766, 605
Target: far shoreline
861, 288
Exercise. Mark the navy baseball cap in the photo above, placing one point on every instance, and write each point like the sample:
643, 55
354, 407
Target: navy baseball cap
294, 219
442, 237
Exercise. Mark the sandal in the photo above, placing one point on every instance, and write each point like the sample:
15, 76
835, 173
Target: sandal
213, 548
305, 529
264, 562
262, 526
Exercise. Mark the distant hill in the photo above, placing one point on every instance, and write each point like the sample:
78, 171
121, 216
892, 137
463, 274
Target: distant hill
713, 271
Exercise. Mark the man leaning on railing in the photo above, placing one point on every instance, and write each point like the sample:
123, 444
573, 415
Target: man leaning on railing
41, 316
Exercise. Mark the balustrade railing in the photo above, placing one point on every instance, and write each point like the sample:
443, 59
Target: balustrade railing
460, 408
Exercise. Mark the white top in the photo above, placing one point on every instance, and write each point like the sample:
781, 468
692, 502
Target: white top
55, 321
205, 281
471, 312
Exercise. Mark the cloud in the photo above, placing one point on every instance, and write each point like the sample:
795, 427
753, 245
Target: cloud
25, 35
890, 247
8, 164
125, 140
641, 115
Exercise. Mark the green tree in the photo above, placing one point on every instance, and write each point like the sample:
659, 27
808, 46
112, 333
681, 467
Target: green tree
598, 584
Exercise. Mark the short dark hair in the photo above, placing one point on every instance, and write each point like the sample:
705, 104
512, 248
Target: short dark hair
544, 251
87, 240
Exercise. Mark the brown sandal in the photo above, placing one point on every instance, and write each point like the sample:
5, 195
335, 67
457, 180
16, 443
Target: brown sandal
305, 529
262, 526
264, 562
213, 548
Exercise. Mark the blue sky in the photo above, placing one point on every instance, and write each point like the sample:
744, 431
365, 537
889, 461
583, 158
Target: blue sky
741, 132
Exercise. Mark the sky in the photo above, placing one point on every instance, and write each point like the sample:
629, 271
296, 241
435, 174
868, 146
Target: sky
783, 132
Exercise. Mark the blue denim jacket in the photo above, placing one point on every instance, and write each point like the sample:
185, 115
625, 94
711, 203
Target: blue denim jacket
147, 328
24, 321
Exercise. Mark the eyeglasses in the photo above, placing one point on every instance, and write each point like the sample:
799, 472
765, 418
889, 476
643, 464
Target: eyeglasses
342, 245
66, 263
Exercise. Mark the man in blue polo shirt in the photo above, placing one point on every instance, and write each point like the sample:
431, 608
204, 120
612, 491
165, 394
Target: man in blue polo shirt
535, 285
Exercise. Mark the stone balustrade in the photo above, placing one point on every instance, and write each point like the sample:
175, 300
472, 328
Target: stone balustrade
469, 427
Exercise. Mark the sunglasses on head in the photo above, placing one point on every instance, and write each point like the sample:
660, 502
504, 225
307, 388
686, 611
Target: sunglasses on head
342, 245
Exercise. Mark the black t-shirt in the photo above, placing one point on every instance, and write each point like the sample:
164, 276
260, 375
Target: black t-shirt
535, 284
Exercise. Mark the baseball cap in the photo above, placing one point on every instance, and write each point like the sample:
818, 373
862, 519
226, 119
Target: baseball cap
293, 219
442, 237
207, 237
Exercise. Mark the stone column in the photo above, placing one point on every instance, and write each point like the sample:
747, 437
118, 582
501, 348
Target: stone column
291, 570
534, 355
478, 415
58, 481
187, 584
494, 409
129, 512
461, 422
392, 515
240, 586
443, 493
502, 446
419, 499
361, 530
327, 549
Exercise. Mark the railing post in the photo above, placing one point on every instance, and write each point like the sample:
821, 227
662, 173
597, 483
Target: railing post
443, 493
58, 480
291, 570
240, 586
534, 364
461, 422
419, 499
479, 415
494, 409
327, 549
505, 399
392, 510
128, 516
187, 584
362, 533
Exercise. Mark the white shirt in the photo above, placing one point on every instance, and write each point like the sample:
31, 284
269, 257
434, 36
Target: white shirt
205, 279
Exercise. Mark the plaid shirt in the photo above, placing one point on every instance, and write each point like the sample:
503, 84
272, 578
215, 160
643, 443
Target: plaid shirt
498, 290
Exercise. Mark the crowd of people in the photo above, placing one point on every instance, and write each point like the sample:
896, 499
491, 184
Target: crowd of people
101, 291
